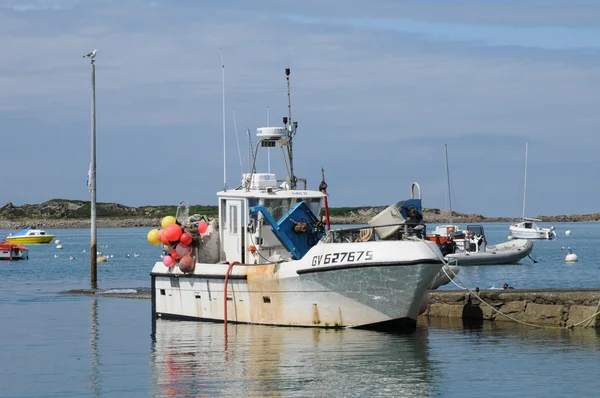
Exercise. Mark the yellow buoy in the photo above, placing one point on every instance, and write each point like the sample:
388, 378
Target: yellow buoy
168, 220
101, 259
153, 237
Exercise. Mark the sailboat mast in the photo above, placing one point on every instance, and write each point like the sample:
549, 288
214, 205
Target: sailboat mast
448, 180
525, 183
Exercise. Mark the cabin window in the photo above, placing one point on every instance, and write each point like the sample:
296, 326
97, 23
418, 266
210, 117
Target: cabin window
223, 214
314, 204
233, 219
277, 207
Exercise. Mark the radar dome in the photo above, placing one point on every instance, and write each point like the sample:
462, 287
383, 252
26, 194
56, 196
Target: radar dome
271, 133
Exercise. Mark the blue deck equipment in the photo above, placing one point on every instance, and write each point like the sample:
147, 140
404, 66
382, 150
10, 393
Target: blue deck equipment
298, 230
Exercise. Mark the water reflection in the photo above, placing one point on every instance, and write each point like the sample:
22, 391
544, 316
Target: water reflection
189, 360
95, 357
508, 359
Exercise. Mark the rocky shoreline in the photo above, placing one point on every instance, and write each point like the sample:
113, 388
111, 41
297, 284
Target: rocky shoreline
80, 223
361, 216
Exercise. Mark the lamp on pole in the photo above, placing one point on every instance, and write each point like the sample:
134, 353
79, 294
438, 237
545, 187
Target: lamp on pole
92, 178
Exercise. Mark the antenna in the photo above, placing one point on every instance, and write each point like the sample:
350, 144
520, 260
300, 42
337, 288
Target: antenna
268, 149
249, 147
291, 127
237, 138
251, 169
224, 147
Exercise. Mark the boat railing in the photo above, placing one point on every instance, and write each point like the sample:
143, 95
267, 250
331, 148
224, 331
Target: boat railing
369, 234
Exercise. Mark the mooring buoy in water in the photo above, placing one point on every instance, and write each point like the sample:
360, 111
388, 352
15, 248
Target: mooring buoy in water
570, 257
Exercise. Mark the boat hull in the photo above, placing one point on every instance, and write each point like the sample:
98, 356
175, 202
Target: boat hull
519, 234
519, 231
11, 251
377, 297
504, 253
30, 240
446, 274
381, 295
22, 255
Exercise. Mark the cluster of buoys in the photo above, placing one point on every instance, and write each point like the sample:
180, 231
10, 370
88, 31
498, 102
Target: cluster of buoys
178, 242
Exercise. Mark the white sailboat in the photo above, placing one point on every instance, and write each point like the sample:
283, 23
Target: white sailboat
268, 260
527, 228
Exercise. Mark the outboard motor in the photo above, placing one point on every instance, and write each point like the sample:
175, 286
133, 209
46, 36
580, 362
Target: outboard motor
448, 247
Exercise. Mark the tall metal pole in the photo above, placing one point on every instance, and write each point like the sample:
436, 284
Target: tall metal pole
93, 251
291, 131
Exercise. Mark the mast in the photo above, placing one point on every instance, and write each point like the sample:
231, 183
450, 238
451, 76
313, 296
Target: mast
291, 131
448, 180
525, 184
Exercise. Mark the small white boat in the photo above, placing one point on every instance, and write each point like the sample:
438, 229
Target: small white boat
474, 250
528, 229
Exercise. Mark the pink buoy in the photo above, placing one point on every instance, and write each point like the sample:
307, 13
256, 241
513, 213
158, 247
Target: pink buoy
202, 227
185, 239
168, 261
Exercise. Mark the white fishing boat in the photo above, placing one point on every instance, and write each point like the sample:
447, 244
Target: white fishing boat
527, 228
269, 259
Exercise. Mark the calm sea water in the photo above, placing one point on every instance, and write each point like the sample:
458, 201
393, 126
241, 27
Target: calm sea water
60, 345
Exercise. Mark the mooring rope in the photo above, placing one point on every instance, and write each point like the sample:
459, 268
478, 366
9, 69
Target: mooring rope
588, 320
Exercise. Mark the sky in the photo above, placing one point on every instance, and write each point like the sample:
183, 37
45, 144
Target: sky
378, 87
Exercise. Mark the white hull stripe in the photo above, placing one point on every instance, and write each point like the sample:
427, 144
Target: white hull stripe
368, 265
